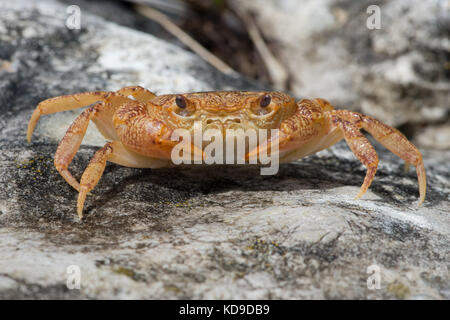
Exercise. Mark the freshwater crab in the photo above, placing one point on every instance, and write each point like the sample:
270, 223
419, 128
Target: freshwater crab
139, 125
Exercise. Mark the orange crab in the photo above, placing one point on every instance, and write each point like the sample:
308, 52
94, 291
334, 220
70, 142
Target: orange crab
139, 125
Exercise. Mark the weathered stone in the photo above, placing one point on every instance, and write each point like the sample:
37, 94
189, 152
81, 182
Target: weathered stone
200, 232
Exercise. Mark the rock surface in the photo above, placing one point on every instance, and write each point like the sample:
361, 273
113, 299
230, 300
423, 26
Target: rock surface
398, 73
224, 232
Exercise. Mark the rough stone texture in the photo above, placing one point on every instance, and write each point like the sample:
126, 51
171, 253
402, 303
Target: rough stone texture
398, 74
223, 232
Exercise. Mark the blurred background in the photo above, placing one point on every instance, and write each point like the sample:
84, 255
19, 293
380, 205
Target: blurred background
389, 59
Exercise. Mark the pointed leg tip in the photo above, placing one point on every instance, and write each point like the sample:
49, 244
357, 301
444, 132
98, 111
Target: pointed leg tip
81, 199
360, 194
420, 203
80, 212
29, 136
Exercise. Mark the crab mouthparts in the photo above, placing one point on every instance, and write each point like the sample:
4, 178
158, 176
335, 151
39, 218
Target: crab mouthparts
223, 120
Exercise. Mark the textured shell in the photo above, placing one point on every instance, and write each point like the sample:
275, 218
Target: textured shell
223, 106
223, 101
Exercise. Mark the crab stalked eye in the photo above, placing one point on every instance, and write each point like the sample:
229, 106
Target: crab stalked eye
181, 101
265, 100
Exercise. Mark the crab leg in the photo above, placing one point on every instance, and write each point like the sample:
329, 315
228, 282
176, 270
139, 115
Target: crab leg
139, 93
70, 102
70, 144
362, 149
393, 140
62, 103
93, 173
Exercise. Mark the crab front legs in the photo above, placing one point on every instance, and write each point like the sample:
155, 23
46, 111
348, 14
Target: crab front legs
316, 126
101, 113
71, 141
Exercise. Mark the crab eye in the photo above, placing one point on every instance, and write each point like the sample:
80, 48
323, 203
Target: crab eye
181, 102
265, 100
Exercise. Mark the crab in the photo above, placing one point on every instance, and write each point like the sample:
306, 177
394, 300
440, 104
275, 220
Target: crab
139, 124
